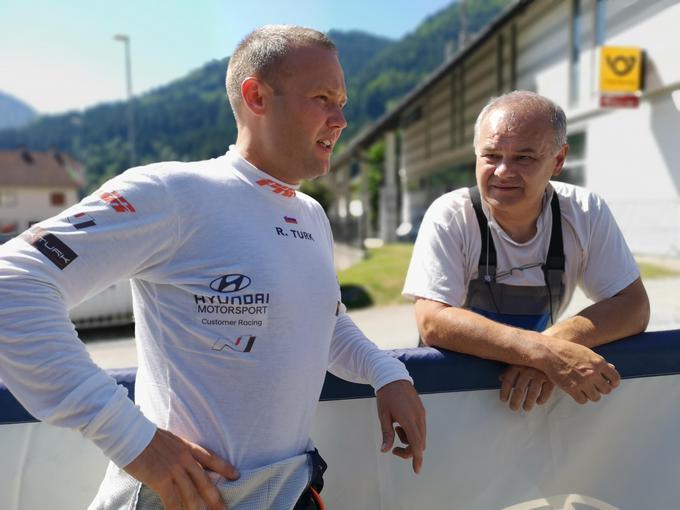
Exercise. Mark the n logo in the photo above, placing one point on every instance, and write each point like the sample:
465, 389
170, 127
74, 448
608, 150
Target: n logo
230, 283
244, 343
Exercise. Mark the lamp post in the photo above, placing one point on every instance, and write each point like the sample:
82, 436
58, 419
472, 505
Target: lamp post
125, 39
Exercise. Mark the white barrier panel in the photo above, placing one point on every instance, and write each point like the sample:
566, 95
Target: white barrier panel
618, 454
43, 467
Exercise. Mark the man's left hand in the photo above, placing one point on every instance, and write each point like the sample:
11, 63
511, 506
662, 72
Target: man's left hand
527, 385
398, 402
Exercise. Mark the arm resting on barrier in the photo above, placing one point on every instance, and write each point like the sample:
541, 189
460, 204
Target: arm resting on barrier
620, 316
576, 369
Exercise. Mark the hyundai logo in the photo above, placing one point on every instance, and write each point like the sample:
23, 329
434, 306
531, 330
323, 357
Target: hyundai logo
230, 283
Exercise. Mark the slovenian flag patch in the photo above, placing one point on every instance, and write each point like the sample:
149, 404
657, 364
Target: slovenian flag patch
81, 220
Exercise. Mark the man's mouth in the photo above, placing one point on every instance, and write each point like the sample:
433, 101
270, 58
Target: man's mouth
325, 143
503, 187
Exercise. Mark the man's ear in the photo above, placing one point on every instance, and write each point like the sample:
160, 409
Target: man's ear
560, 159
254, 93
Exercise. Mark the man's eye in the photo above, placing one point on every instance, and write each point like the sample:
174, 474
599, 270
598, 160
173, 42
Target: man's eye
322, 98
524, 159
491, 157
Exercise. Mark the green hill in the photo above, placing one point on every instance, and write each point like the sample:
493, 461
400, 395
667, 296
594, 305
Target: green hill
190, 119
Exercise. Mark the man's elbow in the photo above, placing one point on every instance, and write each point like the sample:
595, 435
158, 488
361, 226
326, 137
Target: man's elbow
428, 338
429, 327
641, 304
645, 313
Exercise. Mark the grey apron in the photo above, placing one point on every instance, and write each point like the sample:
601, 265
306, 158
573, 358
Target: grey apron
522, 306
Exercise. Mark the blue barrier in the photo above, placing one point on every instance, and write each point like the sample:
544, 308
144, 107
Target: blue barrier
440, 371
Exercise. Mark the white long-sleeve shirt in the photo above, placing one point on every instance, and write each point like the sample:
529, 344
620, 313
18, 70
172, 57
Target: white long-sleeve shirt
236, 302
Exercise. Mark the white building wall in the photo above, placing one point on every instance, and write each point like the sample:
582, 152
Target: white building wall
33, 204
632, 155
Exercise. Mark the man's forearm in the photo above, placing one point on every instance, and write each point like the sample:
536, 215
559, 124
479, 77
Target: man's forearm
622, 315
582, 373
355, 358
467, 332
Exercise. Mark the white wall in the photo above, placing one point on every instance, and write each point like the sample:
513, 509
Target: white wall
632, 155
618, 454
33, 204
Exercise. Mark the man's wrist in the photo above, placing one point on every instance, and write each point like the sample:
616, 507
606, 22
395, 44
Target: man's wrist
539, 351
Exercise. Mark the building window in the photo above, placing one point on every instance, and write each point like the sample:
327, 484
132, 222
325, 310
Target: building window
411, 117
8, 227
600, 22
513, 57
500, 62
573, 171
446, 179
57, 199
8, 199
354, 168
575, 53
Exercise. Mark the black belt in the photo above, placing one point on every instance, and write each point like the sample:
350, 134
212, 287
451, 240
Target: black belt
310, 499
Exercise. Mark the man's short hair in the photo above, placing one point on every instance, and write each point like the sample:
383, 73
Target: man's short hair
262, 52
523, 100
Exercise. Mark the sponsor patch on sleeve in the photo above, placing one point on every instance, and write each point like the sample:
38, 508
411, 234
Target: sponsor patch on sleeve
50, 246
117, 202
81, 220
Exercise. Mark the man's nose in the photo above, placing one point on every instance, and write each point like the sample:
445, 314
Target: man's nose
337, 119
501, 167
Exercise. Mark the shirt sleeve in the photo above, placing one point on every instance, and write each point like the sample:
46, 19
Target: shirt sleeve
355, 358
437, 268
352, 355
125, 229
609, 264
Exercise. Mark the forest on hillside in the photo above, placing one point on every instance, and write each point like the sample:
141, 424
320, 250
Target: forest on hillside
190, 118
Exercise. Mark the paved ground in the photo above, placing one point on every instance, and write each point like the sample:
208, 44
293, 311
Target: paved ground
394, 327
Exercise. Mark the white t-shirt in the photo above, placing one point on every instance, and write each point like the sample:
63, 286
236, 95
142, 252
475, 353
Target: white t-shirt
237, 310
446, 253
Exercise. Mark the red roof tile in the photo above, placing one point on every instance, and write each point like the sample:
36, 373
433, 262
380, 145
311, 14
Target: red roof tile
21, 167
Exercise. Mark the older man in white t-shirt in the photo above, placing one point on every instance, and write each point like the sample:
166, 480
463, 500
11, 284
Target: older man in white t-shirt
495, 265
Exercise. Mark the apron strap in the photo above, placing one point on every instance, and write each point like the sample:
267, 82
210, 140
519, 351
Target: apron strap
555, 259
554, 266
487, 256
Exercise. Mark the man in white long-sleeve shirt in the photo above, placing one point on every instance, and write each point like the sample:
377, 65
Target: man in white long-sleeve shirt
237, 307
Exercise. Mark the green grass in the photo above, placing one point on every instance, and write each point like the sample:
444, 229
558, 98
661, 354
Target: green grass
381, 274
649, 271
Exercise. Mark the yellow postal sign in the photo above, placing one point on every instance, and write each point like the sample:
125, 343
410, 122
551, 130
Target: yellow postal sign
620, 69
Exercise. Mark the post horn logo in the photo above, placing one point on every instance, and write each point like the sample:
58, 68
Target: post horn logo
230, 283
563, 502
621, 65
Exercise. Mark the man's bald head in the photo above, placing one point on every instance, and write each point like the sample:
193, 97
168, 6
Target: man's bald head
262, 54
523, 104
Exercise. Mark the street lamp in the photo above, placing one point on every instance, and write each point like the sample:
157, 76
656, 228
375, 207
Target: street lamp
125, 39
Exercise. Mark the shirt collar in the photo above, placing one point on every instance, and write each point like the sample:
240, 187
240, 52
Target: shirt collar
257, 177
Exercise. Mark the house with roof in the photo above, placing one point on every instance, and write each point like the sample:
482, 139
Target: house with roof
611, 64
35, 186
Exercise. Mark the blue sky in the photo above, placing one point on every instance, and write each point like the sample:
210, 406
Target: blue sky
59, 56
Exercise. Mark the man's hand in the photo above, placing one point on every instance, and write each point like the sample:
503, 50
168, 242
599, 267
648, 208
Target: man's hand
528, 387
175, 469
398, 402
582, 373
